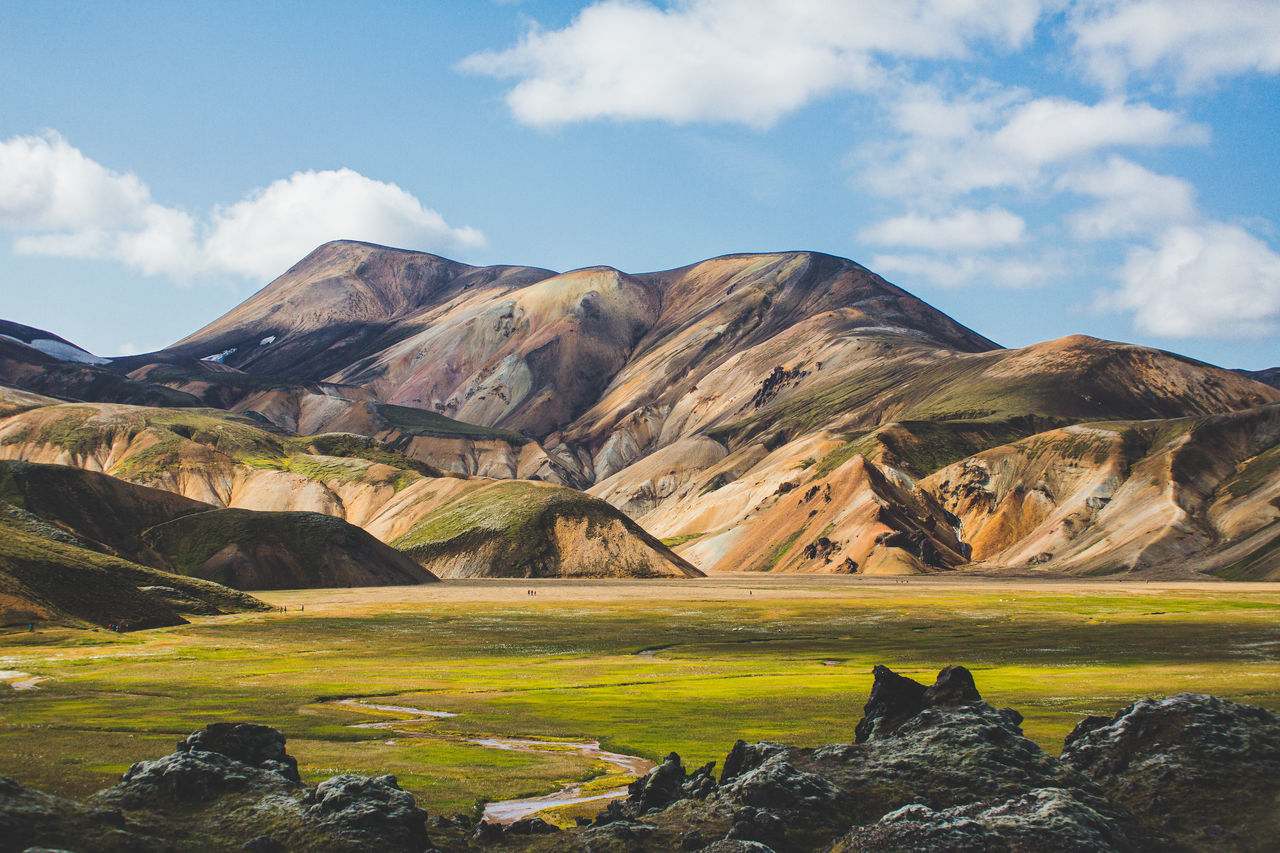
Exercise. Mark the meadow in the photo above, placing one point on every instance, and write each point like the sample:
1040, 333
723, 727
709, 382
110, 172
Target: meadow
645, 667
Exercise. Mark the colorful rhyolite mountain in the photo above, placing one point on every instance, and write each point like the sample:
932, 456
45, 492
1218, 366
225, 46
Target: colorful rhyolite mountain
787, 412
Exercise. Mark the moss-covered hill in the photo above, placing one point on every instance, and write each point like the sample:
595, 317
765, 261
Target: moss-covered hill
519, 529
243, 549
46, 575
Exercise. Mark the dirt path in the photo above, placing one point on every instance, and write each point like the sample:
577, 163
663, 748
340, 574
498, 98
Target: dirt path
509, 811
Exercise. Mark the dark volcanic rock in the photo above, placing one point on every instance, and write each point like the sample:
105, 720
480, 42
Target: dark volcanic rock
1205, 770
372, 810
259, 746
223, 758
896, 698
30, 818
1043, 819
667, 783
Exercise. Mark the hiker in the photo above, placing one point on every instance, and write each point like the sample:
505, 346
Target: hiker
31, 627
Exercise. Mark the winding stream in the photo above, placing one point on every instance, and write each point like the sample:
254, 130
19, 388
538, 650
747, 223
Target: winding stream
509, 811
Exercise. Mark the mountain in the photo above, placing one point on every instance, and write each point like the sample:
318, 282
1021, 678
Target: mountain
778, 411
43, 363
1269, 376
225, 464
1157, 496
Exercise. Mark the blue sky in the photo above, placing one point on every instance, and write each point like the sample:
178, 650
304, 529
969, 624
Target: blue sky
1033, 168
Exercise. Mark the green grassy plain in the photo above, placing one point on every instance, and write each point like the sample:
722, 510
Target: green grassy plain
645, 667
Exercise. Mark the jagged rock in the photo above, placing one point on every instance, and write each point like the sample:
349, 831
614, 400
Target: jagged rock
190, 777
667, 783
374, 811
745, 756
777, 784
223, 758
35, 820
757, 825
531, 826
1043, 819
1191, 764
258, 746
615, 830
264, 844
896, 698
735, 845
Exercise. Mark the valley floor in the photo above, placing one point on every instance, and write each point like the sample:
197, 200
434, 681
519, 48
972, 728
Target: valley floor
644, 667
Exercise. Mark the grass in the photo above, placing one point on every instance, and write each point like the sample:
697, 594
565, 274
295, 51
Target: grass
777, 658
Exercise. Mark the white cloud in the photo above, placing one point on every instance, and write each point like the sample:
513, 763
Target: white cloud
63, 203
963, 229
1193, 42
999, 138
46, 184
1132, 200
965, 270
747, 61
274, 227
1212, 280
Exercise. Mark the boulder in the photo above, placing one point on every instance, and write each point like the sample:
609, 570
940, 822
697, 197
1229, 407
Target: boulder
1203, 769
373, 811
1042, 819
223, 758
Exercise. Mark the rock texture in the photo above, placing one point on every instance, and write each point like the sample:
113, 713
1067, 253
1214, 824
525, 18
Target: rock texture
1203, 769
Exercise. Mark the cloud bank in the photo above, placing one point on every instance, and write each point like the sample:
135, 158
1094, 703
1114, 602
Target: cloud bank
60, 202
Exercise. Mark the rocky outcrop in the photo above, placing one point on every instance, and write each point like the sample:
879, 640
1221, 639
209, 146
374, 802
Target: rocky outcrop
221, 759
934, 768
1204, 770
373, 812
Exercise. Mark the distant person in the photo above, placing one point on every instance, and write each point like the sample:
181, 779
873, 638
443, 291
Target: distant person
31, 627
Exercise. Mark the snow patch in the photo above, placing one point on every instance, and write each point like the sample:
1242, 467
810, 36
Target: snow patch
269, 339
61, 350
219, 357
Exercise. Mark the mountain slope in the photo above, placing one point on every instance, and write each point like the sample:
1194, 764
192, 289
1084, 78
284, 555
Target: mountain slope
1163, 497
238, 548
47, 575
508, 529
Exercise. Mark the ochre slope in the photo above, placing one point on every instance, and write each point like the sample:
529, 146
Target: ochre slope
1161, 497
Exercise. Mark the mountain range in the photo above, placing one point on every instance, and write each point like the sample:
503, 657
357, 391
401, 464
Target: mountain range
771, 412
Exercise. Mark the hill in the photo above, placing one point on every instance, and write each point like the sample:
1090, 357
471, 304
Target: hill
238, 548
451, 525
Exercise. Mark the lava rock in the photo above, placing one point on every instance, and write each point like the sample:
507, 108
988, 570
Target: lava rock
257, 746
736, 845
744, 757
531, 826
35, 820
896, 698
758, 825
374, 811
777, 784
1042, 819
1203, 769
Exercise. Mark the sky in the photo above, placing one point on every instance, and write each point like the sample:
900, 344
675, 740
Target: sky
1033, 168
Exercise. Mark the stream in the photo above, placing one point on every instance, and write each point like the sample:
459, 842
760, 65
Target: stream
509, 811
